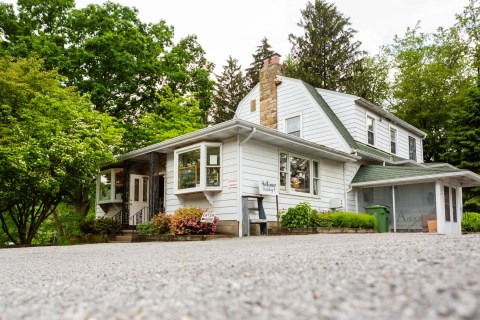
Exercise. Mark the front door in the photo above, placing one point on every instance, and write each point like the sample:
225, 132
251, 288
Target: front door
138, 199
451, 211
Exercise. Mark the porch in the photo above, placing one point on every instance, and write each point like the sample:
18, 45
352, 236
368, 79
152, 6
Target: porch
132, 191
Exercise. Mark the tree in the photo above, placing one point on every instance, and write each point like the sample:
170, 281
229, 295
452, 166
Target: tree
468, 22
264, 51
229, 91
431, 77
325, 56
51, 143
173, 116
107, 52
463, 140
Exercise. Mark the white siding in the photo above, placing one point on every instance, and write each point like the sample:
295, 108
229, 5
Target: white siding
243, 110
225, 204
350, 172
261, 160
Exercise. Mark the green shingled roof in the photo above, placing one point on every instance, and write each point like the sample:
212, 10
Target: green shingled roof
378, 153
368, 173
331, 115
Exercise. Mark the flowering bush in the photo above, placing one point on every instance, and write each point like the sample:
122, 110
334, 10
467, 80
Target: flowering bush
187, 221
162, 223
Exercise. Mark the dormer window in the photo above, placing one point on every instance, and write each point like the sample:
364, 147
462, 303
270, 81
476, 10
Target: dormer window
393, 140
412, 148
293, 126
371, 130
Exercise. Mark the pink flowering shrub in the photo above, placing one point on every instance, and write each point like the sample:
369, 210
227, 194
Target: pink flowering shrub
187, 221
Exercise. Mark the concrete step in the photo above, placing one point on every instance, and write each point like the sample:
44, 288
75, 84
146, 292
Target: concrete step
123, 238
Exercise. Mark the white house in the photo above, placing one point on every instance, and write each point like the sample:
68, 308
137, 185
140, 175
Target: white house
331, 149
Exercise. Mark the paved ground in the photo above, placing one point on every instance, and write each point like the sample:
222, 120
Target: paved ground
377, 276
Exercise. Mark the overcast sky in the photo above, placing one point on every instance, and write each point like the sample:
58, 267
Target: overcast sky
226, 27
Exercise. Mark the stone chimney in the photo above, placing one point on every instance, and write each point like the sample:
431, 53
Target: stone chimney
268, 90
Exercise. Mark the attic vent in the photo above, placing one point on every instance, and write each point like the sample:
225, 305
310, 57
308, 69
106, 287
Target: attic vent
253, 105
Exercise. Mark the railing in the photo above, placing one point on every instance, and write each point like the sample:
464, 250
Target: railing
140, 217
117, 218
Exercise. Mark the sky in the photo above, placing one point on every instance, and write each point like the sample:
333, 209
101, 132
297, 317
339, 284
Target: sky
226, 27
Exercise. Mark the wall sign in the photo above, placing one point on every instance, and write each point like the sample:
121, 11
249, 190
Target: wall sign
208, 217
268, 186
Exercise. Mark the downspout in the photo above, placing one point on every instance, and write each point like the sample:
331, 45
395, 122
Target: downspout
345, 188
239, 178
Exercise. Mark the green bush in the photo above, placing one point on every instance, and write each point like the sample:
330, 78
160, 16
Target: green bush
102, 225
322, 220
353, 220
471, 222
146, 229
298, 216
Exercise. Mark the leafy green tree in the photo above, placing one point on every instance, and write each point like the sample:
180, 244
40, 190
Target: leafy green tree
468, 22
173, 116
463, 141
229, 91
107, 52
51, 143
432, 75
264, 51
325, 55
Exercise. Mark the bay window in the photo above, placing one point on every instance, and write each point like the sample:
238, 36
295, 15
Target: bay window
198, 168
110, 186
299, 174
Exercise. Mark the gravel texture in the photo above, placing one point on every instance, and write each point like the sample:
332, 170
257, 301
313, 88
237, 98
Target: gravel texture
343, 276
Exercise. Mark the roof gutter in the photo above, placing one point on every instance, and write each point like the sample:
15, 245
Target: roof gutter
406, 180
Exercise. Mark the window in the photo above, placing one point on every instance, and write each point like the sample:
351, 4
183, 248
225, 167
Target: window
299, 174
454, 205
446, 196
293, 126
198, 168
370, 130
412, 148
393, 140
110, 186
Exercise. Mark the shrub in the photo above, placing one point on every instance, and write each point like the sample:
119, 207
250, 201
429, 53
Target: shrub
162, 223
105, 225
146, 229
471, 222
353, 220
298, 216
88, 226
187, 221
322, 220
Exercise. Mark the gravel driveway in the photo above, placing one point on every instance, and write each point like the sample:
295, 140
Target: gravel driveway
377, 276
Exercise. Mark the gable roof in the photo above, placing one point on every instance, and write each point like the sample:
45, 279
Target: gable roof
371, 175
231, 128
331, 115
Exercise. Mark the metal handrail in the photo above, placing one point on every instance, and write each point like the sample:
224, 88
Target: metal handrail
140, 216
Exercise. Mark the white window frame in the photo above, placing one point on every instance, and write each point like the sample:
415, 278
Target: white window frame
396, 139
203, 168
415, 145
288, 189
299, 116
371, 116
113, 186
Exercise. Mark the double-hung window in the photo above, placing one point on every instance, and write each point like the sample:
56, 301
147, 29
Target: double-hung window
393, 140
370, 130
198, 168
293, 126
299, 174
412, 148
110, 186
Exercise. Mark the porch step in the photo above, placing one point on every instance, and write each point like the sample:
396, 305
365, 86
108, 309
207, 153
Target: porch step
122, 239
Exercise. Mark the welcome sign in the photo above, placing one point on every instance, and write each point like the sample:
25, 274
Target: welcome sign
267, 186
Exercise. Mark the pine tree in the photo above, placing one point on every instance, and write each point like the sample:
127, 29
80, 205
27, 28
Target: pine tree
230, 89
325, 55
263, 52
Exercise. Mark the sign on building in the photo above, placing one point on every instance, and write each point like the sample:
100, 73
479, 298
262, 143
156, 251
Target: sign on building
268, 186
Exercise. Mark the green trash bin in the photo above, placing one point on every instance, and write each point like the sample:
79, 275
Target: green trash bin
381, 214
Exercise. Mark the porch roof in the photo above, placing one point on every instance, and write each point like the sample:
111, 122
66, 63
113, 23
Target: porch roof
244, 129
371, 175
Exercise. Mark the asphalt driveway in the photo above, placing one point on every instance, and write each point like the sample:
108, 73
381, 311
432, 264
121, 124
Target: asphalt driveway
376, 276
